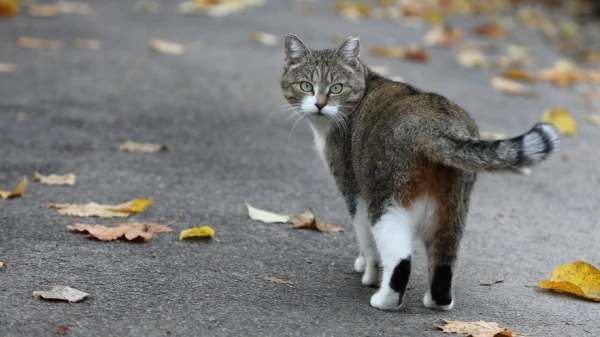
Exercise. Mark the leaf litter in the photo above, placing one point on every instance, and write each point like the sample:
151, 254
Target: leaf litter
305, 220
55, 179
266, 39
578, 278
475, 329
29, 42
443, 36
3, 265
7, 67
511, 87
94, 209
278, 280
130, 231
17, 191
63, 293
129, 146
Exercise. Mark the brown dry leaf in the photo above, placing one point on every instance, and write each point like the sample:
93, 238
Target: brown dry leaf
61, 329
130, 231
129, 146
9, 8
278, 281
78, 8
492, 30
472, 58
266, 39
443, 36
593, 119
519, 75
3, 265
7, 67
418, 54
563, 73
87, 44
475, 329
63, 293
43, 11
55, 179
29, 42
17, 191
413, 53
93, 209
490, 283
510, 87
492, 135
578, 278
167, 47
308, 220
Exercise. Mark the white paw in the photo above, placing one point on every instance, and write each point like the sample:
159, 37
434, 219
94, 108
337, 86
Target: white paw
385, 300
360, 264
371, 275
430, 303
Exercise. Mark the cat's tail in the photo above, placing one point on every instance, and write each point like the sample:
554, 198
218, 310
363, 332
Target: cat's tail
472, 154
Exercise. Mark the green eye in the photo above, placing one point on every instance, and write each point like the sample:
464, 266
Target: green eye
305, 86
336, 88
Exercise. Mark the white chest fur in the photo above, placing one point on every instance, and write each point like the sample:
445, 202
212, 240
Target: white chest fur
320, 129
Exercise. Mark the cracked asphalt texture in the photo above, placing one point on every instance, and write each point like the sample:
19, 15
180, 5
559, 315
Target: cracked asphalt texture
68, 109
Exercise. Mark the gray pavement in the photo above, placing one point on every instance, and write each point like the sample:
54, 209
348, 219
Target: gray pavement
69, 109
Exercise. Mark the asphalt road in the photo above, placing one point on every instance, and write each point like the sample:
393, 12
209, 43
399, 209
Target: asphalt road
69, 109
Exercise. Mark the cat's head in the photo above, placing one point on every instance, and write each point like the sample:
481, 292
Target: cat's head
323, 83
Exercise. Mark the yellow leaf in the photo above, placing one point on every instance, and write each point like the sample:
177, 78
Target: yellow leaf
9, 7
578, 278
561, 119
204, 232
519, 75
17, 191
129, 146
55, 179
93, 209
263, 38
264, 216
475, 329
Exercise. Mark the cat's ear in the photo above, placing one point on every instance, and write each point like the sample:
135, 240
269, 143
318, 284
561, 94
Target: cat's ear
294, 50
349, 51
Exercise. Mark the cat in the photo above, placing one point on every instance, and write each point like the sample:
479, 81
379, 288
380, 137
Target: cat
405, 161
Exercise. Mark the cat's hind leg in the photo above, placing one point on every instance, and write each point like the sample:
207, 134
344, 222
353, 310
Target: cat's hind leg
393, 234
366, 262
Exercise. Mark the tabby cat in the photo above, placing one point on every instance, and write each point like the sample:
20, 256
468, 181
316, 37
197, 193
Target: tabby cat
405, 161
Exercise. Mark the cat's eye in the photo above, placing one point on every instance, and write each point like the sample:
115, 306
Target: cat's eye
336, 88
305, 86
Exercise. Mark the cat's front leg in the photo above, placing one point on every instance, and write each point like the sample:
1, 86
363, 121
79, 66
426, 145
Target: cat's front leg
367, 260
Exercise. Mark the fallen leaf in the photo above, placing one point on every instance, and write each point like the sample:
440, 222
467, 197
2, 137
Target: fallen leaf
93, 209
519, 75
130, 231
516, 57
21, 186
264, 216
266, 39
475, 329
307, 220
167, 47
63, 293
492, 30
443, 36
87, 44
3, 265
61, 330
55, 179
592, 119
490, 283
70, 7
7, 67
492, 135
472, 58
563, 73
43, 11
204, 232
9, 8
217, 8
578, 278
413, 53
511, 87
416, 53
561, 119
129, 146
278, 281
37, 43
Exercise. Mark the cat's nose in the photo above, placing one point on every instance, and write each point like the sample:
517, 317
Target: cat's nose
320, 105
